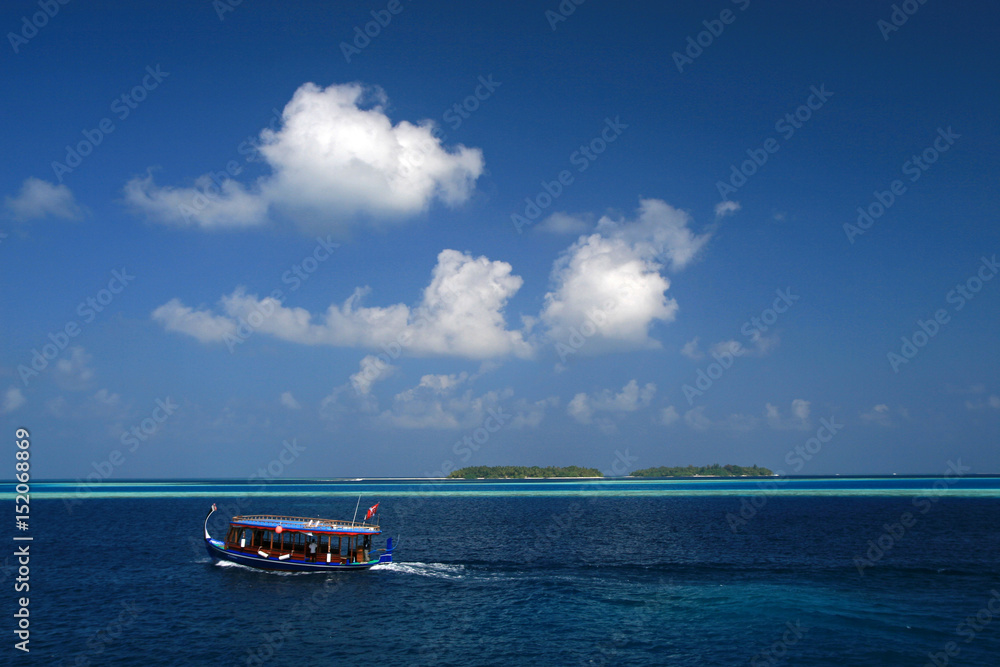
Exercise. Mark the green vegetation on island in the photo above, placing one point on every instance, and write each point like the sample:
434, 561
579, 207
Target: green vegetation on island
515, 472
520, 472
714, 470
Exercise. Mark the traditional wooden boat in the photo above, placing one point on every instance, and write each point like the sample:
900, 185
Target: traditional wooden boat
298, 544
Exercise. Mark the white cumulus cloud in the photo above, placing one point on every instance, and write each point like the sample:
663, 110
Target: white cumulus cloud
336, 160
609, 284
659, 231
460, 314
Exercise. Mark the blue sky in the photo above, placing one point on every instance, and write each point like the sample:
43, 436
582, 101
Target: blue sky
528, 233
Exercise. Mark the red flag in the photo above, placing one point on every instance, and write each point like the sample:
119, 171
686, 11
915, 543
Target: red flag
371, 511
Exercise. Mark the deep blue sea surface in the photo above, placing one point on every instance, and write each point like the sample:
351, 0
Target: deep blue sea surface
700, 572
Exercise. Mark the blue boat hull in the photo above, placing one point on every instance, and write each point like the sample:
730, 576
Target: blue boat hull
218, 552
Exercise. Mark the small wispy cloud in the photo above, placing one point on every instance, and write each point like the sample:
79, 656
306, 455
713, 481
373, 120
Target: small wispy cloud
565, 223
447, 402
880, 415
727, 207
668, 415
40, 199
74, 373
799, 418
12, 400
289, 401
990, 403
696, 419
691, 350
584, 408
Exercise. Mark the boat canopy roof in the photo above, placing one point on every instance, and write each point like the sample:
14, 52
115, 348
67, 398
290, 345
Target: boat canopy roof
300, 524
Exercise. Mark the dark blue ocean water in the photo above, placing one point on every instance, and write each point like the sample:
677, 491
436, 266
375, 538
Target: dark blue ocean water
493, 578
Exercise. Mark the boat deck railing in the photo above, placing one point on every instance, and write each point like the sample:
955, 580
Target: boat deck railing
307, 522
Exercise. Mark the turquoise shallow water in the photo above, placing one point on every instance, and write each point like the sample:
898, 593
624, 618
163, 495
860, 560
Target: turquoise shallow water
637, 573
967, 486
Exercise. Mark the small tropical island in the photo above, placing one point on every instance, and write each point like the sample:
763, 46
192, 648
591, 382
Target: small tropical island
714, 470
522, 472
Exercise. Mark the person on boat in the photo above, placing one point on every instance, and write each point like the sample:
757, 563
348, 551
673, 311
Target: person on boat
312, 549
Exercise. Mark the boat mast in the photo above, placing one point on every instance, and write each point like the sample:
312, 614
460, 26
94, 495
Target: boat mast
356, 509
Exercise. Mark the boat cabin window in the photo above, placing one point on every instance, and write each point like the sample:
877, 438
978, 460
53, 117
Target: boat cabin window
350, 547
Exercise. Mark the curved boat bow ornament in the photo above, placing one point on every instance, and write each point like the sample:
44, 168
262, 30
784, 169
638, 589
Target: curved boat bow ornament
210, 513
